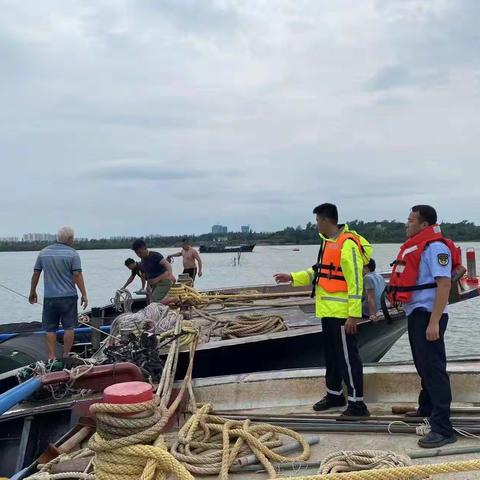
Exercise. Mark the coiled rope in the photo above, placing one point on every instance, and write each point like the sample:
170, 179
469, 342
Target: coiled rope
122, 301
155, 318
348, 461
412, 472
256, 324
129, 448
183, 295
208, 444
46, 470
188, 333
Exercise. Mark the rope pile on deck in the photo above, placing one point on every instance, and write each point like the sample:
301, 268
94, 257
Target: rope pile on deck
348, 461
129, 448
211, 445
255, 324
183, 295
412, 472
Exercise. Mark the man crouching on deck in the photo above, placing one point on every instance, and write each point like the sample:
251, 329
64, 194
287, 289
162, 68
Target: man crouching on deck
338, 285
157, 270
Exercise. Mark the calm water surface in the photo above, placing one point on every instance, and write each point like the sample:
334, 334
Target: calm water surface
104, 272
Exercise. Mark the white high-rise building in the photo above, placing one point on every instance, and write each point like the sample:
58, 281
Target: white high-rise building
39, 237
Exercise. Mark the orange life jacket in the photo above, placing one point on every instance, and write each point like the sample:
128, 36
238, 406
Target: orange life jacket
403, 279
328, 269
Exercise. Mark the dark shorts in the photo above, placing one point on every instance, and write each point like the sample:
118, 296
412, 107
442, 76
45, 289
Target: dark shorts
190, 271
60, 309
160, 290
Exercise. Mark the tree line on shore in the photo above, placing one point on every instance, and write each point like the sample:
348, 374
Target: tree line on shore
385, 231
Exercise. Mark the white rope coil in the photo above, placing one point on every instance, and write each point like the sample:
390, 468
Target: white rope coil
356, 460
122, 301
154, 318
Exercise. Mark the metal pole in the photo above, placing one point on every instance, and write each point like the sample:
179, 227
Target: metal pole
27, 423
288, 447
19, 393
440, 452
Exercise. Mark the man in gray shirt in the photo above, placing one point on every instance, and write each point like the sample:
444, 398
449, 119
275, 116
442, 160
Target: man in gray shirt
62, 271
373, 286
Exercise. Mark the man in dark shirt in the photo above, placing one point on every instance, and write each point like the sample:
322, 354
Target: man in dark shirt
135, 271
157, 271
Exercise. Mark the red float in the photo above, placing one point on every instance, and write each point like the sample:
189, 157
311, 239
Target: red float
128, 392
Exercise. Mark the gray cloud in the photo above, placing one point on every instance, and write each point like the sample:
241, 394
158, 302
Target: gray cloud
144, 173
236, 112
394, 76
205, 18
436, 36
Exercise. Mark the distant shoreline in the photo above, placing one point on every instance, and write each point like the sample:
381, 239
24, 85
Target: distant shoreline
384, 231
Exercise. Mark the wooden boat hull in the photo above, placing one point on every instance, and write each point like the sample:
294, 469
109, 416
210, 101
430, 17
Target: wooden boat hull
301, 346
296, 348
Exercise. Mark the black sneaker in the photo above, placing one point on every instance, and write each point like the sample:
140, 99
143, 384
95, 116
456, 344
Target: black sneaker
356, 409
435, 440
329, 402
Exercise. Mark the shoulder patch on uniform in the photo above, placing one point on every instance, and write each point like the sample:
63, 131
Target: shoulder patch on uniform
443, 259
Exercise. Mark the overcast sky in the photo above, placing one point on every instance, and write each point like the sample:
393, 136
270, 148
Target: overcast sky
167, 116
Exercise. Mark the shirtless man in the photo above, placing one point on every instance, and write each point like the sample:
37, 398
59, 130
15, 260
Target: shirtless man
190, 260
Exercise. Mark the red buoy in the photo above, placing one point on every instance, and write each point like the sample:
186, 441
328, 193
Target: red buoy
128, 392
471, 266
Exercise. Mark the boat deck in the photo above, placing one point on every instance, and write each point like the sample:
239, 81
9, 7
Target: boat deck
334, 442
286, 397
281, 396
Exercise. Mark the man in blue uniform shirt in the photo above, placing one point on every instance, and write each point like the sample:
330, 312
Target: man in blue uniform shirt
427, 322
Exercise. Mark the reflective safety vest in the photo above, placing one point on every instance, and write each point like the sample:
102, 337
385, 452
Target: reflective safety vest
347, 302
329, 273
404, 276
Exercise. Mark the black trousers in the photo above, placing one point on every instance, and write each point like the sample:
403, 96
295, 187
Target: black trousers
191, 271
343, 362
431, 364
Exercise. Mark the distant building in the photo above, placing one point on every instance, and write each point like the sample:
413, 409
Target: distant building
245, 228
9, 239
121, 237
39, 237
219, 229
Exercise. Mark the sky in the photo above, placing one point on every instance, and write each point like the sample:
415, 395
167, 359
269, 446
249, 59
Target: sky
138, 117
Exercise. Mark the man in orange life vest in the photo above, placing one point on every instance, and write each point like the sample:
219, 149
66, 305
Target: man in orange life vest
421, 281
338, 282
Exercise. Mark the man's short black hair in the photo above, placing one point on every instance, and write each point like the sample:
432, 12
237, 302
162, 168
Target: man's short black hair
185, 240
371, 265
327, 210
426, 213
129, 261
138, 244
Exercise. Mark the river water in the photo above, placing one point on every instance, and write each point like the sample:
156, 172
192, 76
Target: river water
104, 272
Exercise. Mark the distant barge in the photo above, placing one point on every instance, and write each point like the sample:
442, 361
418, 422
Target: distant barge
222, 248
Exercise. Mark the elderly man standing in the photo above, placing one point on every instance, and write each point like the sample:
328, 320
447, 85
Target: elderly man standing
62, 271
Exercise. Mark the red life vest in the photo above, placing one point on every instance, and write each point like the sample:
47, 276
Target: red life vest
329, 271
403, 280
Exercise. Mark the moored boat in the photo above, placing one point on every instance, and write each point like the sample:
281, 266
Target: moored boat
218, 247
284, 399
298, 345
